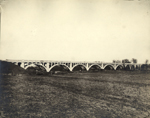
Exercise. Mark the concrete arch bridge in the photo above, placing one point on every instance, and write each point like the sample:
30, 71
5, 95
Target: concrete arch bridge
49, 65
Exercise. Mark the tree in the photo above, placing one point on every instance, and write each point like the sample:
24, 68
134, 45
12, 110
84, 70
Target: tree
116, 61
134, 60
146, 62
126, 61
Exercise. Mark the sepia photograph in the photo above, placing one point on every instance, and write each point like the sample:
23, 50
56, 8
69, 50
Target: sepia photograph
74, 58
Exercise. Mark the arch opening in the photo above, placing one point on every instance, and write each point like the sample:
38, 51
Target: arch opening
127, 67
59, 69
79, 68
109, 67
19, 63
137, 67
94, 68
132, 67
36, 69
119, 67
144, 67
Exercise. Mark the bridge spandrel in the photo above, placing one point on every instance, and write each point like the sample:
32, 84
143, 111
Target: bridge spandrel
38, 62
85, 64
89, 64
44, 64
104, 64
49, 65
100, 64
52, 64
68, 64
73, 64
25, 64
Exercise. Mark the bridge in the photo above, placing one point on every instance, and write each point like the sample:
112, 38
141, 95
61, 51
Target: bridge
49, 65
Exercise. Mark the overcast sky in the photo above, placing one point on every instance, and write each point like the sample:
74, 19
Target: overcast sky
75, 30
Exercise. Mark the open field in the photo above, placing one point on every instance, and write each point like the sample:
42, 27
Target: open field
119, 94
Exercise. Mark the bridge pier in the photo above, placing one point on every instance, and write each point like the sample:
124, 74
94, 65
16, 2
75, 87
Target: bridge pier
70, 68
22, 64
47, 67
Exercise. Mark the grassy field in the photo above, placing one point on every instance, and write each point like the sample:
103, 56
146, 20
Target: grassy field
76, 95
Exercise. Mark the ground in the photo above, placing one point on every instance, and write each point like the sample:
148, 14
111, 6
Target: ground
111, 94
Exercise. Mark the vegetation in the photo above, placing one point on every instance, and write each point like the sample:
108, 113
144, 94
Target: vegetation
10, 68
116, 61
134, 60
126, 61
123, 94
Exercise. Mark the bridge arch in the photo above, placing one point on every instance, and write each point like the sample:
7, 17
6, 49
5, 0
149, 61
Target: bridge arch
128, 67
94, 65
58, 65
119, 67
34, 65
137, 67
38, 69
110, 66
31, 65
133, 67
79, 65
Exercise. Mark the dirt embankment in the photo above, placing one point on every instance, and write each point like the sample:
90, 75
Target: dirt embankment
11, 69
